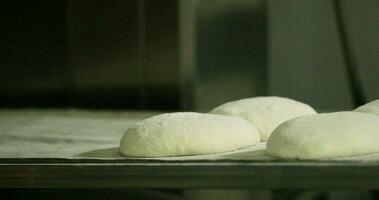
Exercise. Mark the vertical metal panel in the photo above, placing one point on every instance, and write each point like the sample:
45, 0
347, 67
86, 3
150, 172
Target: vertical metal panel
230, 51
162, 72
125, 53
103, 45
91, 54
362, 24
306, 60
187, 53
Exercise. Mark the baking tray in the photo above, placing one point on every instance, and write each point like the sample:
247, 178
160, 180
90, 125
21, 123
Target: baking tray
79, 149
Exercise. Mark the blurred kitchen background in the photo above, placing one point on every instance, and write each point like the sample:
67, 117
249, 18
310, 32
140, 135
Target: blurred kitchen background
188, 54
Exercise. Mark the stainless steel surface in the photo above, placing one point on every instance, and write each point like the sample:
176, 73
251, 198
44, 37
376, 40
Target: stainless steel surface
188, 175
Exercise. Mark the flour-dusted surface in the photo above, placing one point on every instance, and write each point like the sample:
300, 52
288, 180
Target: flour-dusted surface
371, 107
326, 136
78, 134
265, 113
60, 133
81, 135
187, 133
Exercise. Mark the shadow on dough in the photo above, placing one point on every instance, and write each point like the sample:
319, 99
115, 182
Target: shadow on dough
256, 153
108, 153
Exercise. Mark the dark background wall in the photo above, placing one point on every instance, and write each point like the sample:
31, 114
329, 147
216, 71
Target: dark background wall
185, 55
231, 51
33, 53
324, 52
92, 54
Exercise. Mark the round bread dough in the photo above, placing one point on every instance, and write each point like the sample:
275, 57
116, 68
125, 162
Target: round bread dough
187, 133
372, 107
265, 113
329, 135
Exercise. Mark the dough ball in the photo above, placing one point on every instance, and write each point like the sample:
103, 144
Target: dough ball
265, 113
330, 135
372, 107
187, 133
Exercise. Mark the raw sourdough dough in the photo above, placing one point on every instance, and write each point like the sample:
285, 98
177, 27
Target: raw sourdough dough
187, 133
323, 136
371, 107
265, 113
